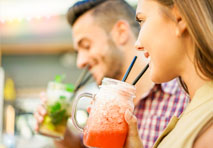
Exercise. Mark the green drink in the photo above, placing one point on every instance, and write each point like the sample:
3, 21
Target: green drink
58, 108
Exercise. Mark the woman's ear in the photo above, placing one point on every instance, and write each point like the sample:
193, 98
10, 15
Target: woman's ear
180, 22
120, 32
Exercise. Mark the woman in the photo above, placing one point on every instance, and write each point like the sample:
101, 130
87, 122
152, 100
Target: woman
177, 36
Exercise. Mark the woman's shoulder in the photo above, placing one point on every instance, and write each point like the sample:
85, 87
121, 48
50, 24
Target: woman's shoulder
204, 138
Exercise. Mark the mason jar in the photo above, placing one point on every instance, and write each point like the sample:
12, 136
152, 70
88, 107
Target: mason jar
58, 108
106, 126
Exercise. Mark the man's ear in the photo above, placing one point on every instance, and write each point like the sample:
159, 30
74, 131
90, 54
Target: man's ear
120, 32
180, 22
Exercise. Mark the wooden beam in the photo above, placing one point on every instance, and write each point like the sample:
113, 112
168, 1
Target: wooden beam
33, 48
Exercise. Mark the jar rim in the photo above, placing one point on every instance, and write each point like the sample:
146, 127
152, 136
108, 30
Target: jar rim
124, 85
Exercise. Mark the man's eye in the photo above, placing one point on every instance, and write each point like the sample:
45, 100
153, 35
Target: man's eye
86, 46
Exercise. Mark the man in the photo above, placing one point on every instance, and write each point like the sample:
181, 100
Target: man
104, 33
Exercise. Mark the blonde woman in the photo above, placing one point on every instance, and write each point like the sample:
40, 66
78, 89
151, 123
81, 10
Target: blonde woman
177, 36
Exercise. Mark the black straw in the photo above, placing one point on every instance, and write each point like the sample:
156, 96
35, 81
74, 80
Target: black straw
83, 82
81, 77
141, 74
129, 69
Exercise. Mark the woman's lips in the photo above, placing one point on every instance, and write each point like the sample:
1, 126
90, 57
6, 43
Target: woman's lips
146, 54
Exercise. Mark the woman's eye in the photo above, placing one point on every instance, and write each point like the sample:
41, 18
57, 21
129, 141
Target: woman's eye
140, 21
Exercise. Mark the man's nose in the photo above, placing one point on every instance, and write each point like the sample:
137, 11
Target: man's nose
138, 45
82, 60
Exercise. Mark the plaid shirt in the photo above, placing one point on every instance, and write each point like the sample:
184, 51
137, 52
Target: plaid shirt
156, 108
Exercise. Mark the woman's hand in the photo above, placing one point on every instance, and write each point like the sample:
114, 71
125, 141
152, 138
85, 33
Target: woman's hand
133, 139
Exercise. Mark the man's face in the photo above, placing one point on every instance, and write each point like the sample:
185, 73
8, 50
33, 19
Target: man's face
96, 49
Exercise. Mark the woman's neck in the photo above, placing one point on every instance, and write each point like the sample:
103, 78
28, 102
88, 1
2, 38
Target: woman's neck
193, 80
191, 76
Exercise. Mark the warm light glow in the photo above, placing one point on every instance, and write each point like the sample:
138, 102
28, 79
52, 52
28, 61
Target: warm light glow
2, 21
28, 9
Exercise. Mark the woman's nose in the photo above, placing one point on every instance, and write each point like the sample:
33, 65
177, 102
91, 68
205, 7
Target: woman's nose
138, 45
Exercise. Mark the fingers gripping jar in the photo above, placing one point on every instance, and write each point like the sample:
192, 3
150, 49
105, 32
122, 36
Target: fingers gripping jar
106, 126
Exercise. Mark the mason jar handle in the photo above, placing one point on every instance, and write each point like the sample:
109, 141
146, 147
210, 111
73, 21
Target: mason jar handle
74, 106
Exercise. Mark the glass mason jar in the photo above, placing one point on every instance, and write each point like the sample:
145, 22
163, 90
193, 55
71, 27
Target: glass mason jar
106, 126
58, 108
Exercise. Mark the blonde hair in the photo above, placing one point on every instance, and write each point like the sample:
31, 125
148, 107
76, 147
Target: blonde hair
198, 15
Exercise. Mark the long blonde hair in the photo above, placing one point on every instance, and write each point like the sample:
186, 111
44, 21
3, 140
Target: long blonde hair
198, 15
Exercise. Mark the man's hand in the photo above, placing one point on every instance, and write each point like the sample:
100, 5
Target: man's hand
133, 139
70, 140
40, 112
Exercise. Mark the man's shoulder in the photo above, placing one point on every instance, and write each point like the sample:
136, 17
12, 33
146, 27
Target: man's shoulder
166, 92
173, 87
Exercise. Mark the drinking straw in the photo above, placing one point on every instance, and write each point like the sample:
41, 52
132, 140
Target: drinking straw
80, 82
141, 74
80, 79
129, 69
83, 82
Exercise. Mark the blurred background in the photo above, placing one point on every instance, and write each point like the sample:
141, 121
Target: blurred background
35, 46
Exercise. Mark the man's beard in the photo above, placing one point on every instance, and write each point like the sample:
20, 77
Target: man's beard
115, 61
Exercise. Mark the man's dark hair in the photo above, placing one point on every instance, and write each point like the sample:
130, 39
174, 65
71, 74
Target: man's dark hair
106, 12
